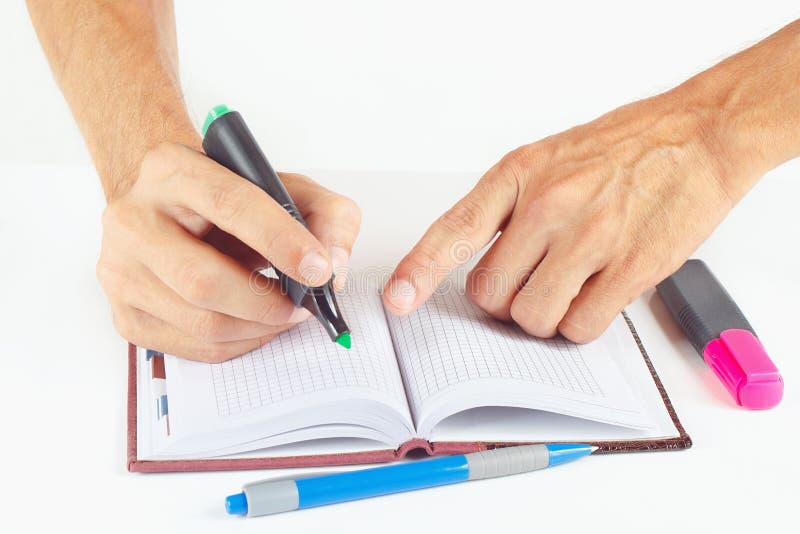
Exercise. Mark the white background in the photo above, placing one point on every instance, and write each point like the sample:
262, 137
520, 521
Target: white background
415, 99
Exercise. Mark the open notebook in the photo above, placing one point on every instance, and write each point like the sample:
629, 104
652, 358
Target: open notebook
446, 379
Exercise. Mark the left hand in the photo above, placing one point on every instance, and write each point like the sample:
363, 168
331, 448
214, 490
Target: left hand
589, 219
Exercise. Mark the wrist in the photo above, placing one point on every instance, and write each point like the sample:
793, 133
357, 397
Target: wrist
737, 160
118, 164
748, 108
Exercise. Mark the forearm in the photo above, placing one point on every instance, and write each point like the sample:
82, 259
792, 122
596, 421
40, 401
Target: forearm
117, 65
750, 106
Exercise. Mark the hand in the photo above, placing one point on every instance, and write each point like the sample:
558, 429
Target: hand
589, 219
181, 249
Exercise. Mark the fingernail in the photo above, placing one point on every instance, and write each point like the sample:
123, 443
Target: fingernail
314, 269
402, 294
340, 260
299, 315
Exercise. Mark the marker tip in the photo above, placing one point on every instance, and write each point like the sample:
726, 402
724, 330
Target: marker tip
344, 340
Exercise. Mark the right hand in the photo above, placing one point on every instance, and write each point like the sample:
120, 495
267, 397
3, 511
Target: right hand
182, 247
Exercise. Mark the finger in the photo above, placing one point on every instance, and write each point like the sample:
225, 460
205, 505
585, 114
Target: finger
205, 277
452, 240
506, 267
332, 218
153, 297
600, 300
544, 300
233, 247
244, 210
144, 330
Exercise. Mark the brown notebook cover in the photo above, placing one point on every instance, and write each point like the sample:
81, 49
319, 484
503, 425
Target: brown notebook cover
682, 441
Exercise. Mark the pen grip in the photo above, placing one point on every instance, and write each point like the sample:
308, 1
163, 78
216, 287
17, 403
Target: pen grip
507, 461
229, 142
700, 304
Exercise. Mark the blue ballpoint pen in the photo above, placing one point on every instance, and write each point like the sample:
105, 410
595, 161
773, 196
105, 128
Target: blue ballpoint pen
284, 495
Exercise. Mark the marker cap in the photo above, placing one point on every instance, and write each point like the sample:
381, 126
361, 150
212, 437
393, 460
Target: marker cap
740, 362
216, 112
719, 331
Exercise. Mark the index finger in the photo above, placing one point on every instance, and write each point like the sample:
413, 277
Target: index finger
452, 240
242, 209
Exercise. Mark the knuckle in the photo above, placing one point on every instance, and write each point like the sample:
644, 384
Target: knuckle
228, 201
625, 272
346, 208
274, 312
198, 284
284, 247
488, 289
218, 356
207, 326
516, 163
216, 352
581, 326
497, 307
465, 218
576, 332
531, 319
423, 259
211, 353
125, 323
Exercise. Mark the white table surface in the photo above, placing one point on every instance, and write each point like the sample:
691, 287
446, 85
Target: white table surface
63, 380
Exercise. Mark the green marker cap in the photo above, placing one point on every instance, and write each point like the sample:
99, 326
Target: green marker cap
214, 114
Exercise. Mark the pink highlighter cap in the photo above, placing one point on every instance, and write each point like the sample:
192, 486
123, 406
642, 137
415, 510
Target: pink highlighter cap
739, 360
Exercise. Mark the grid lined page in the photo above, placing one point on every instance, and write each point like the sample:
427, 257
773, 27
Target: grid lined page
303, 360
450, 341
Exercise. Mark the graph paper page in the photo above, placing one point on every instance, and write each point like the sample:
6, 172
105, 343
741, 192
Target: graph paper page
305, 361
454, 357
285, 385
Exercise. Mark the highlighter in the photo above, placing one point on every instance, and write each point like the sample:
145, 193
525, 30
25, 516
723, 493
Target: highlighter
228, 141
719, 332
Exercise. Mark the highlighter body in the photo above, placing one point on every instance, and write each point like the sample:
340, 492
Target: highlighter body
719, 332
228, 141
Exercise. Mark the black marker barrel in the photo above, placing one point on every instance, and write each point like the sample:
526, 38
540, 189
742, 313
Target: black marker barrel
228, 141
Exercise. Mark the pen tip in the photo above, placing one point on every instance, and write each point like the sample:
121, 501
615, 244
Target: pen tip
344, 340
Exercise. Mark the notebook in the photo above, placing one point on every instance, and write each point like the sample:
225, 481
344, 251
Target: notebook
445, 379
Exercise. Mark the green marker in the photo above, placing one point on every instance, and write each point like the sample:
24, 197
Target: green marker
228, 141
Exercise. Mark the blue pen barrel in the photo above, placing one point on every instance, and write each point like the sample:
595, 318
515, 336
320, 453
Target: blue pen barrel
284, 495
349, 486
